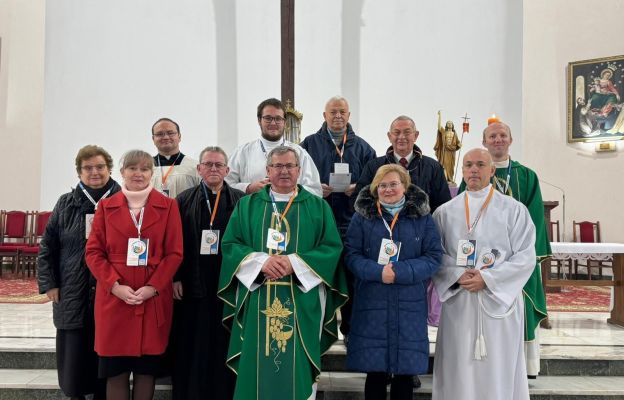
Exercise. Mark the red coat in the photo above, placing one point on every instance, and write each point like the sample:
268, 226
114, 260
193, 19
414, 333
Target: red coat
134, 330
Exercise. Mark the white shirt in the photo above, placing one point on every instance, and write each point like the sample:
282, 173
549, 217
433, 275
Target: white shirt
248, 164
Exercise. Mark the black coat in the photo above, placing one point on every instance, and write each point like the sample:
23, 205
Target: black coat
199, 274
61, 262
426, 173
357, 152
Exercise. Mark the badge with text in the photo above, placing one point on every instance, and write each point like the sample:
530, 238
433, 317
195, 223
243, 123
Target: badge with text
209, 242
276, 240
88, 224
488, 258
137, 252
466, 253
388, 252
341, 168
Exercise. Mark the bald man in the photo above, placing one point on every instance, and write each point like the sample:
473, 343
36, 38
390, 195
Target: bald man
489, 254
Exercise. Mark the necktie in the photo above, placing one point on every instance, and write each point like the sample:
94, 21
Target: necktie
403, 162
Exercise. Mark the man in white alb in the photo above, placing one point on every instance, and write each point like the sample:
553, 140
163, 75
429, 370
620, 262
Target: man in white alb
488, 240
173, 171
247, 164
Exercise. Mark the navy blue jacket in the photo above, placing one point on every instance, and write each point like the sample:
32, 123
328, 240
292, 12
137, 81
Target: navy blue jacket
389, 321
426, 173
357, 153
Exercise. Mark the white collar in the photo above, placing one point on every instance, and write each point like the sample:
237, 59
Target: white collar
502, 164
281, 196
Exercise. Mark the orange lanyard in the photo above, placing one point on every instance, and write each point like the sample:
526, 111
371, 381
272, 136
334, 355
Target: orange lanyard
394, 220
483, 207
341, 151
213, 212
166, 175
282, 215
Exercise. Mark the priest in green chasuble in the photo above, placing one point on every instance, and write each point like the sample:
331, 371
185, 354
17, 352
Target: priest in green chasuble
516, 180
280, 285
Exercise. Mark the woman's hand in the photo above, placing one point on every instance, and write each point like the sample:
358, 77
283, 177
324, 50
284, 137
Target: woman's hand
387, 274
146, 293
126, 294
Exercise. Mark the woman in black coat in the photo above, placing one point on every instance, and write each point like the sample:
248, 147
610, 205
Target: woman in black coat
65, 278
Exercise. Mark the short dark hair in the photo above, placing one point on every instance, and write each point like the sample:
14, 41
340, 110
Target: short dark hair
90, 151
273, 102
168, 120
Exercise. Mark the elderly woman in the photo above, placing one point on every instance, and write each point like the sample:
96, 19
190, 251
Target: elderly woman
134, 250
392, 248
64, 277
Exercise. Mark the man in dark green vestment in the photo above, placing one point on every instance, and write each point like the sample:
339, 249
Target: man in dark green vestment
520, 182
280, 285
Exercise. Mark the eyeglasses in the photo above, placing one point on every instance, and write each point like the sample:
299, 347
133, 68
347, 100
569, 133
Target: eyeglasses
268, 119
282, 166
405, 134
91, 168
161, 135
217, 165
391, 185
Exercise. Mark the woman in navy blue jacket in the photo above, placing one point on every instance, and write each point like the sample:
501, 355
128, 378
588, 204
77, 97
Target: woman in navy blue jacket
392, 248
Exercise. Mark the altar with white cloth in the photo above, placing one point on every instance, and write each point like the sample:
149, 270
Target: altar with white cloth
613, 252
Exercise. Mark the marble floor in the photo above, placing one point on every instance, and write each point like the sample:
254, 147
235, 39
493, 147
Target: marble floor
29, 327
587, 336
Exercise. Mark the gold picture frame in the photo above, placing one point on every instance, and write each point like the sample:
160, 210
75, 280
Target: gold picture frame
596, 100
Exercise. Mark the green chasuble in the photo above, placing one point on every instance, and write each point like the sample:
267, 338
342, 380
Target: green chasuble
524, 187
279, 332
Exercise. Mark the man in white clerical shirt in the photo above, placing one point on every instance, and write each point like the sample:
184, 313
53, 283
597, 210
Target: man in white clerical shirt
247, 164
173, 171
488, 240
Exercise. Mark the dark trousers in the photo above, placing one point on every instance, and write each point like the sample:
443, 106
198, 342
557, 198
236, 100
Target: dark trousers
400, 386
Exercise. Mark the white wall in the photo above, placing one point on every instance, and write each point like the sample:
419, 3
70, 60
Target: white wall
21, 102
555, 33
114, 67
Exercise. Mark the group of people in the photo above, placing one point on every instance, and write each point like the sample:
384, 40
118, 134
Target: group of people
231, 273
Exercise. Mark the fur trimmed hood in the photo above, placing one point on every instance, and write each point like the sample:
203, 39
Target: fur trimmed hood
416, 203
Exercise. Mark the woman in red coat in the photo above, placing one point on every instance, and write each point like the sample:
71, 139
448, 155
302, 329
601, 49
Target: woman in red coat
134, 249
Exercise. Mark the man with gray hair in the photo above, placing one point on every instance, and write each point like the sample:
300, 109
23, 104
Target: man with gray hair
280, 284
488, 240
199, 339
336, 149
426, 173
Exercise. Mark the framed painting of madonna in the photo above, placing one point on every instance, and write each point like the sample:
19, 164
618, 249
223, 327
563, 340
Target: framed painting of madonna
596, 100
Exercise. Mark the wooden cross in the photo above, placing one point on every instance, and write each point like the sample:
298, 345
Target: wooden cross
287, 17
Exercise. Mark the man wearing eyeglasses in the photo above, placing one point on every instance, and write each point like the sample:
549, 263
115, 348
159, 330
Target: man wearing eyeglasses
247, 171
337, 150
280, 284
174, 172
199, 339
425, 172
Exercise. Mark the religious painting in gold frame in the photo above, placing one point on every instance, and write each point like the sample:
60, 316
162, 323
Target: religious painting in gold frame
596, 100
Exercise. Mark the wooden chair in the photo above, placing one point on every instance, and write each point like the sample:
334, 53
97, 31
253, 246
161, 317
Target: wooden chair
14, 235
588, 232
29, 254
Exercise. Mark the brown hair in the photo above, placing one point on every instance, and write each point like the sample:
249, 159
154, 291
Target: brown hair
135, 157
90, 151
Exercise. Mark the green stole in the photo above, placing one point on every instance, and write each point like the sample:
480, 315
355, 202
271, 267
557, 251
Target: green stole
276, 339
524, 187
